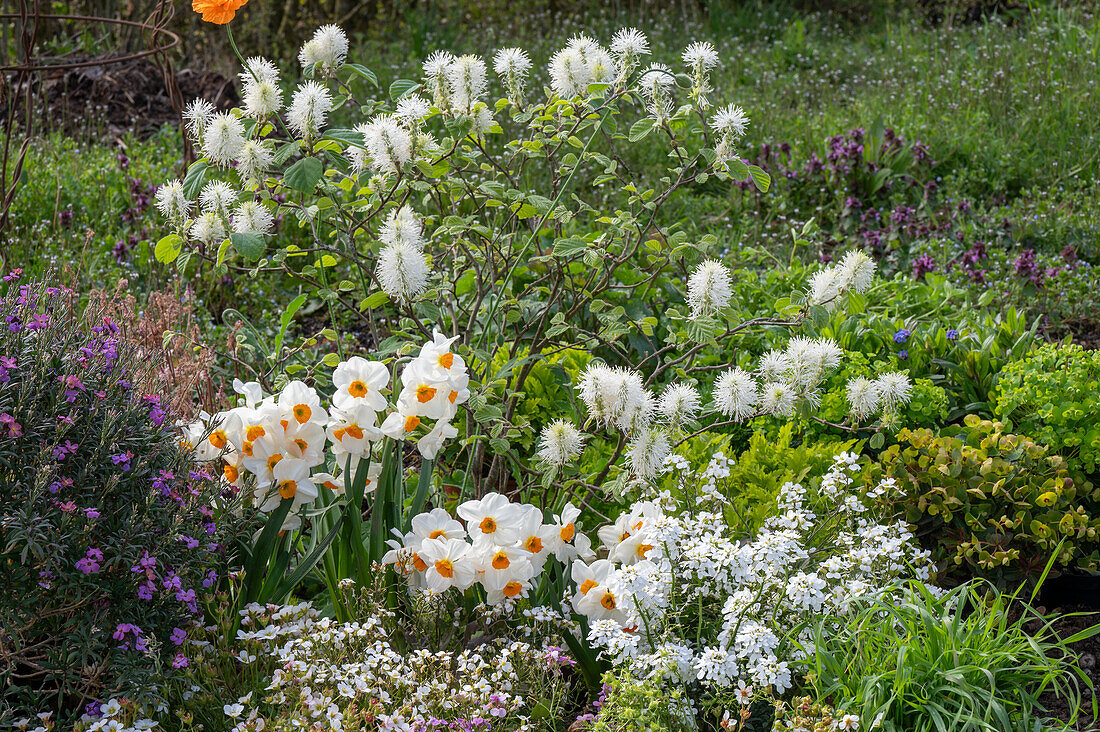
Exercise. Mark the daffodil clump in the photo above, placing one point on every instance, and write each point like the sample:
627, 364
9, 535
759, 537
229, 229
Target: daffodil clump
289, 445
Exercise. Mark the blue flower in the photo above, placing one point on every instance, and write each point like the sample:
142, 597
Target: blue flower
952, 334
902, 335
903, 354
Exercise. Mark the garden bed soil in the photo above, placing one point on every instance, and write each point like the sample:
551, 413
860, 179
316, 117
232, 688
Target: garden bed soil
1087, 656
128, 97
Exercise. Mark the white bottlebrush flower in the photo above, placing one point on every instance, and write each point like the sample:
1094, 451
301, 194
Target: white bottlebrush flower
402, 271
629, 43
570, 74
388, 143
646, 453
255, 159
207, 229
778, 399
511, 62
172, 202
561, 443
774, 366
309, 109
825, 288
729, 124
700, 56
616, 397
402, 226
679, 404
223, 139
435, 73
466, 82
863, 397
894, 388
197, 116
709, 288
483, 119
327, 49
252, 216
217, 196
735, 394
262, 99
412, 110
730, 120
601, 65
857, 270
259, 69
810, 360
656, 81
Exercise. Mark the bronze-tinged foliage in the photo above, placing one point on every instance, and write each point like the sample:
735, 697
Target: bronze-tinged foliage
994, 504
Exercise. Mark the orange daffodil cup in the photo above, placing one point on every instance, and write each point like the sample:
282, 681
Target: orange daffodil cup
218, 12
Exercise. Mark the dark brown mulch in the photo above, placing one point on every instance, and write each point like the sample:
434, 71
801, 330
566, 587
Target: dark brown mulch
1087, 653
130, 96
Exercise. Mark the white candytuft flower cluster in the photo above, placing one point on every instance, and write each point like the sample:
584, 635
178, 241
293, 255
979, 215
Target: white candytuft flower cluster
854, 273
709, 288
503, 548
283, 441
682, 596
357, 675
326, 51
402, 265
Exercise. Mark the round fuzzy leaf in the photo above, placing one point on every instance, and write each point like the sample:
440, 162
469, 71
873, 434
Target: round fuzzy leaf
304, 174
250, 245
640, 130
168, 248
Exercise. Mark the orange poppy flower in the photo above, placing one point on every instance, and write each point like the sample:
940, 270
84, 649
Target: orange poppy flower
218, 12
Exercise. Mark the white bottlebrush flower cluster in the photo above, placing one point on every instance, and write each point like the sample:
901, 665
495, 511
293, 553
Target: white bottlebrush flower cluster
729, 124
854, 273
682, 596
882, 395
326, 51
701, 58
709, 288
335, 676
503, 547
260, 90
402, 266
283, 441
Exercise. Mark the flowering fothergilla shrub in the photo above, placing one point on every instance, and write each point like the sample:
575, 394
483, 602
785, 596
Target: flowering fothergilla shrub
107, 538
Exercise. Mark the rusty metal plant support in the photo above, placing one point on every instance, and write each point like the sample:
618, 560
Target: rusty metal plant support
18, 79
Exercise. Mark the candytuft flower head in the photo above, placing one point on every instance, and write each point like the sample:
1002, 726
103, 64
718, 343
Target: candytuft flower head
218, 12
223, 139
709, 288
561, 443
309, 109
327, 50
